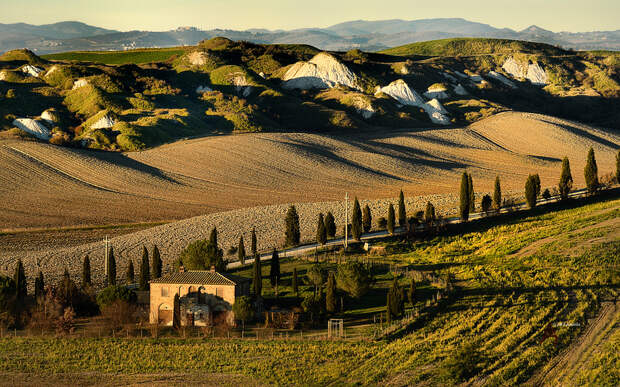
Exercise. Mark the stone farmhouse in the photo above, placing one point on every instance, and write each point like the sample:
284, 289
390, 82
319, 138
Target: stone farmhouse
205, 297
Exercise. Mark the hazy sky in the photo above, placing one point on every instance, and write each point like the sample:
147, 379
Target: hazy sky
555, 15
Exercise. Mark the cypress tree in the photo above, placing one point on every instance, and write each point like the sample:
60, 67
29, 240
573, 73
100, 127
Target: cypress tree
292, 227
330, 225
366, 219
566, 180
411, 292
618, 167
330, 294
390, 220
156, 263
395, 302
530, 191
472, 199
39, 286
321, 231
429, 213
144, 270
111, 268
257, 280
253, 244
213, 237
294, 285
388, 307
130, 276
591, 172
86, 281
241, 250
356, 221
536, 181
497, 195
464, 202
21, 286
274, 270
176, 312
402, 212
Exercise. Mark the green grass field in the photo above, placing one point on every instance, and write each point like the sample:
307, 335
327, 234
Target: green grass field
138, 56
513, 279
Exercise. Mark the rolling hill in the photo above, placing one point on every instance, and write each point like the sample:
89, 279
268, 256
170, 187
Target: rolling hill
359, 34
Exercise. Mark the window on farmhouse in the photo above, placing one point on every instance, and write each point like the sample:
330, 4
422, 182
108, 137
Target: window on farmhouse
164, 292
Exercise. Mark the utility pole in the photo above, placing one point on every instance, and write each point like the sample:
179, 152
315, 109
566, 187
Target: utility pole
106, 243
346, 221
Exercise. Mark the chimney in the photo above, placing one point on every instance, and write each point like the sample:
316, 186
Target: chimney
212, 269
181, 269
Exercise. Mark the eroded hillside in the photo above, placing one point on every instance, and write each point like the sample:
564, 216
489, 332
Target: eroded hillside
221, 86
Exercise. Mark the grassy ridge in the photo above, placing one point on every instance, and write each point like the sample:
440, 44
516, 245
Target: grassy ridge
139, 56
472, 46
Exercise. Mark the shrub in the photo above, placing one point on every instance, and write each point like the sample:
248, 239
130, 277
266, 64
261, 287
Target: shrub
314, 305
115, 293
119, 312
10, 94
243, 309
463, 363
354, 278
316, 276
429, 213
202, 255
546, 194
486, 203
382, 223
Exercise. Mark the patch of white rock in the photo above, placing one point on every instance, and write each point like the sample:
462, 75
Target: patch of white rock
401, 92
532, 72
321, 72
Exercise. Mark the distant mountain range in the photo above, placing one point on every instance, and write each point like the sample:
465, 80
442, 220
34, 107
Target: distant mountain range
365, 35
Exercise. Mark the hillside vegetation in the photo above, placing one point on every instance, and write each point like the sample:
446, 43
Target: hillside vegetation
222, 86
512, 280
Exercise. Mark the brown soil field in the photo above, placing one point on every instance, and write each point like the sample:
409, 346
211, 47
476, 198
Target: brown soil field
48, 186
244, 181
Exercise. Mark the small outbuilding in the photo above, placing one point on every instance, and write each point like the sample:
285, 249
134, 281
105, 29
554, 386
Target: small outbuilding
205, 297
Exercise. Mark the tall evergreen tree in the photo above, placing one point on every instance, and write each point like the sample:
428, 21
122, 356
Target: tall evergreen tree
411, 292
130, 276
591, 172
429, 213
321, 231
566, 180
39, 286
618, 167
530, 191
402, 212
536, 181
145, 275
257, 280
241, 250
176, 312
274, 270
394, 300
86, 281
157, 263
292, 227
253, 242
111, 267
213, 237
390, 219
330, 293
295, 285
472, 195
356, 221
464, 202
497, 195
330, 225
366, 219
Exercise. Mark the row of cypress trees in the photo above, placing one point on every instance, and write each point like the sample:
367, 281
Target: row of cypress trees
148, 270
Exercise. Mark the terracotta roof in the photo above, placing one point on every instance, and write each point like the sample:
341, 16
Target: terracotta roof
203, 277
